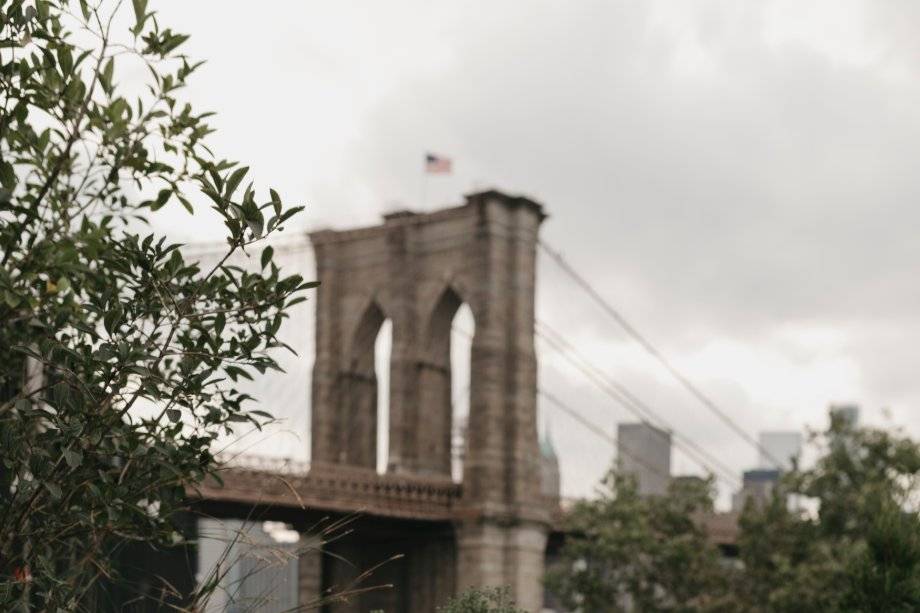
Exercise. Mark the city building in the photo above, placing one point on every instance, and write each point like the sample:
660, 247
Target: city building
848, 416
254, 563
778, 452
644, 451
757, 485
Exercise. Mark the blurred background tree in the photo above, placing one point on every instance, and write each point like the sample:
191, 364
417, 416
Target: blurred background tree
860, 548
843, 535
627, 552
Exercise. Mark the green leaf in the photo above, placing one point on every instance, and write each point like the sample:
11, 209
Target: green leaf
65, 60
54, 489
235, 371
140, 15
234, 181
185, 203
105, 77
174, 415
162, 199
289, 213
172, 41
216, 179
276, 201
43, 140
255, 226
267, 255
7, 175
73, 458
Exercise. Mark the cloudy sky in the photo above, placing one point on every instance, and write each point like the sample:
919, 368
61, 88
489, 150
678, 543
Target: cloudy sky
737, 177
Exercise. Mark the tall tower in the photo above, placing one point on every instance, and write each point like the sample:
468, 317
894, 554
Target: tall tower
417, 269
644, 451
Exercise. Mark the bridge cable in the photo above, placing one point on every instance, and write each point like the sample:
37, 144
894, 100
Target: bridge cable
653, 351
725, 474
637, 407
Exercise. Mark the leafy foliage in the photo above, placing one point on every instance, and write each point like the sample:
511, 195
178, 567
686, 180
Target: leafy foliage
118, 357
482, 600
858, 551
629, 552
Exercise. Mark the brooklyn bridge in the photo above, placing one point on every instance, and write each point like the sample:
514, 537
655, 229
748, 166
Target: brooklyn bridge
414, 525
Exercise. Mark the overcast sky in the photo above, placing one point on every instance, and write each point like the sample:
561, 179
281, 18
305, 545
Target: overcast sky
739, 178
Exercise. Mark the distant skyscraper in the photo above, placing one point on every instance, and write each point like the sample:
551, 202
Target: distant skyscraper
777, 449
645, 452
848, 412
757, 486
849, 415
255, 566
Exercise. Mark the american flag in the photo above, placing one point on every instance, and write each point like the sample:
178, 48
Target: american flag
437, 164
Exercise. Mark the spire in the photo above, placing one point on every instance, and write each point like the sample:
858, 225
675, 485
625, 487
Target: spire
547, 449
549, 464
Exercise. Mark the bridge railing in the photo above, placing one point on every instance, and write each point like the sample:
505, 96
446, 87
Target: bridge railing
278, 465
286, 482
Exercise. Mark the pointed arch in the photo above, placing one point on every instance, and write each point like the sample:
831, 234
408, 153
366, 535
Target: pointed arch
438, 426
437, 344
361, 352
357, 425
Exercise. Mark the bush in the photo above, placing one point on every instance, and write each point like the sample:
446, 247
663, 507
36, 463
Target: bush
482, 600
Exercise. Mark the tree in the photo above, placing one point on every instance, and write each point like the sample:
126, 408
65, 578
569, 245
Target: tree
624, 551
860, 550
118, 357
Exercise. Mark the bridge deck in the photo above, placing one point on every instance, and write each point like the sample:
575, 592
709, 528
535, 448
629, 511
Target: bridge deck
256, 481
334, 488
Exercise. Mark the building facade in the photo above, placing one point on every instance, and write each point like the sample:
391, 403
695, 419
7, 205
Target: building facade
644, 451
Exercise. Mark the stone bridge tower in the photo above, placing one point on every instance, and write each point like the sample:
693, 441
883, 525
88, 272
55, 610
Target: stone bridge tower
417, 269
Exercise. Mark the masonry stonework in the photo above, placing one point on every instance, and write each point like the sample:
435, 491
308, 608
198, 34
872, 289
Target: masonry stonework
417, 269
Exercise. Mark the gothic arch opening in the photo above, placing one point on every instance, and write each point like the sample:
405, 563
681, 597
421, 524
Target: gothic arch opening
362, 346
358, 431
383, 349
463, 328
444, 387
